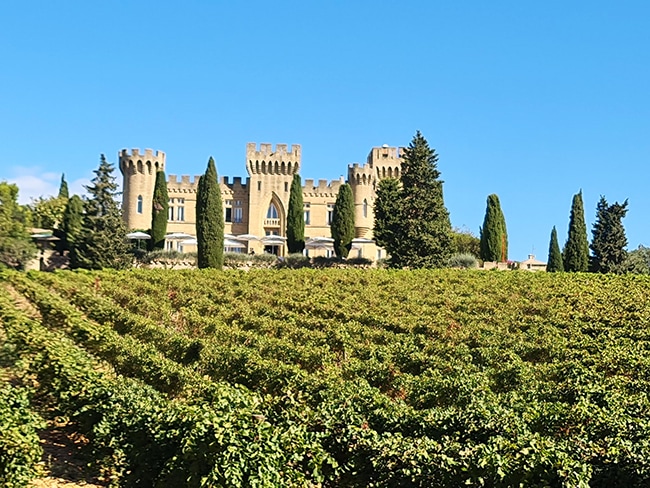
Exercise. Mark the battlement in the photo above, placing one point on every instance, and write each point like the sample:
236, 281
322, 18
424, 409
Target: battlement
283, 161
236, 182
385, 155
136, 154
324, 187
172, 180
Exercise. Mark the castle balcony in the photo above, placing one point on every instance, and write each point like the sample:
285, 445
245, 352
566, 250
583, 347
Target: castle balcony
271, 222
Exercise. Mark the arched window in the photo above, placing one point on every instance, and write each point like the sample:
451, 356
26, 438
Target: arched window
272, 212
365, 208
139, 204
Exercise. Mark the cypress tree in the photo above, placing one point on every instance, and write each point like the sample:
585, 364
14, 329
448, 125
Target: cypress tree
102, 242
295, 217
418, 234
576, 250
71, 228
609, 241
63, 188
342, 226
494, 236
554, 256
209, 220
159, 210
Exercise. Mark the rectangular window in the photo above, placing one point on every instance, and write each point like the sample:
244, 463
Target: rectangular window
259, 186
170, 214
237, 203
286, 186
228, 214
306, 210
330, 213
180, 213
239, 217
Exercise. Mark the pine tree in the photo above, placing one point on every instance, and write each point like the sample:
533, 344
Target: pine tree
209, 220
71, 226
295, 217
419, 234
63, 188
159, 210
609, 241
576, 250
387, 214
494, 235
554, 256
102, 242
342, 226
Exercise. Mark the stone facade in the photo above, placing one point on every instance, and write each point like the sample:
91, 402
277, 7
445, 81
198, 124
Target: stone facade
259, 205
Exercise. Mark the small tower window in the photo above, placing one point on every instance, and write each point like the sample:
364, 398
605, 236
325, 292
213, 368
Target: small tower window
307, 213
330, 213
139, 206
365, 208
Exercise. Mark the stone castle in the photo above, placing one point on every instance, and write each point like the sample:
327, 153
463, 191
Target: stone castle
259, 205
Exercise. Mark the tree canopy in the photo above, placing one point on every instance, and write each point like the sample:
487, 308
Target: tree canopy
554, 263
494, 236
16, 247
209, 220
342, 226
102, 240
159, 210
576, 250
418, 233
609, 240
295, 217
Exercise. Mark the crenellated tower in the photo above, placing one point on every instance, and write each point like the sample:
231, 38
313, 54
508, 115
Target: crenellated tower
271, 173
139, 178
383, 162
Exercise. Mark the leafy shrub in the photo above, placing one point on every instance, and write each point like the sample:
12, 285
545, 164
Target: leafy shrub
463, 260
20, 449
295, 260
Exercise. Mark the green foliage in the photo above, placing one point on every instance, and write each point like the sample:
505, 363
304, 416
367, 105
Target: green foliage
465, 242
387, 213
47, 213
209, 220
16, 247
342, 226
102, 241
294, 261
576, 250
295, 218
418, 233
609, 241
638, 261
71, 226
20, 449
554, 263
463, 261
345, 377
64, 193
494, 236
159, 211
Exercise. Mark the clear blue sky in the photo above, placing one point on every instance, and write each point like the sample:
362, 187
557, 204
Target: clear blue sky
532, 101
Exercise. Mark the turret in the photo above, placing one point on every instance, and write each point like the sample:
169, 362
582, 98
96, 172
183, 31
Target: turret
139, 171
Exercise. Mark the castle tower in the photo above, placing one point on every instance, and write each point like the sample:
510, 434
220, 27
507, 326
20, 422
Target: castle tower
271, 173
139, 178
383, 162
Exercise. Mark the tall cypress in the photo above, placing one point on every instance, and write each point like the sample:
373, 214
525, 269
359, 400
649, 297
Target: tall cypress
494, 236
209, 220
554, 263
159, 210
63, 188
295, 217
71, 227
387, 226
342, 226
576, 250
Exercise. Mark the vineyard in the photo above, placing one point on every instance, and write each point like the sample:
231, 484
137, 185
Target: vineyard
333, 378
